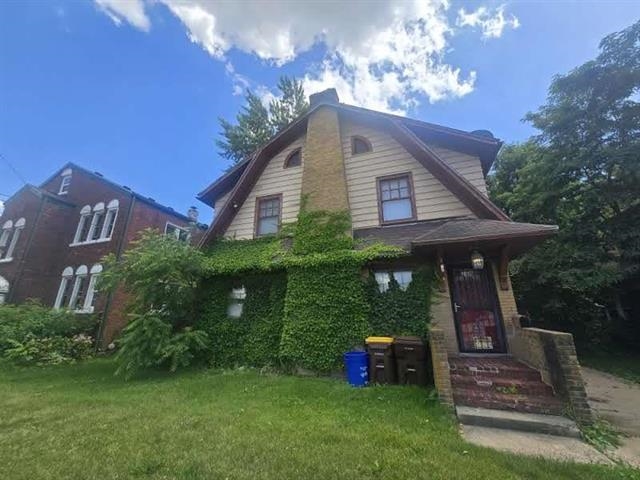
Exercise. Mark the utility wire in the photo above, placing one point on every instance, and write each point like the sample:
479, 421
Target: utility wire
13, 169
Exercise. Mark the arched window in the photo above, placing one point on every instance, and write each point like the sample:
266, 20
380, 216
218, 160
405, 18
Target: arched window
90, 298
4, 236
110, 219
294, 159
360, 145
83, 225
64, 290
65, 181
17, 229
4, 290
79, 291
96, 222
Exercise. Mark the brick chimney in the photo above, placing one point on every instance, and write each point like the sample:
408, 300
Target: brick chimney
323, 176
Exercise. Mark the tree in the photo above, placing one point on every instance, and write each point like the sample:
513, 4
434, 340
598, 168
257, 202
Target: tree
582, 172
256, 124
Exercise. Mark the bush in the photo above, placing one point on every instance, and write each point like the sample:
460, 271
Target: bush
49, 350
18, 323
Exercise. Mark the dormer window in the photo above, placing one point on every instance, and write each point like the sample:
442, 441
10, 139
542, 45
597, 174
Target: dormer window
65, 182
294, 159
360, 145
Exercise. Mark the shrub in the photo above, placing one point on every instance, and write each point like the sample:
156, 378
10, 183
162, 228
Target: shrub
49, 350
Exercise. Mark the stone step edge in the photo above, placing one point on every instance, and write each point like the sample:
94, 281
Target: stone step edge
525, 422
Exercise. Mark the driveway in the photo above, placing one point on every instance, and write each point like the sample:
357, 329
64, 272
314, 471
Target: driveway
618, 402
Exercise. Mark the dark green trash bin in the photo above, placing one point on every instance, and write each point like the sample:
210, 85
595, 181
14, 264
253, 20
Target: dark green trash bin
382, 364
411, 360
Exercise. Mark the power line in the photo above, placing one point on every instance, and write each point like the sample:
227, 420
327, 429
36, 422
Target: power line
13, 169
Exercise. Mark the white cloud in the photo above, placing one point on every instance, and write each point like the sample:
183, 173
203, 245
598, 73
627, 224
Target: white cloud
492, 24
381, 55
133, 11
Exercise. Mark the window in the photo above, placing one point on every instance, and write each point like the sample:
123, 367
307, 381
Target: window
395, 197
294, 159
110, 219
76, 302
236, 302
268, 215
65, 181
96, 222
64, 291
360, 145
7, 246
402, 277
177, 232
4, 290
90, 298
83, 225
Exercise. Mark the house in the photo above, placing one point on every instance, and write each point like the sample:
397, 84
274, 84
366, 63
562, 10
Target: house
422, 187
53, 237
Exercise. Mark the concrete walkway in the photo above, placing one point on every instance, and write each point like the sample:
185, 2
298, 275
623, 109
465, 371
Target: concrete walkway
618, 402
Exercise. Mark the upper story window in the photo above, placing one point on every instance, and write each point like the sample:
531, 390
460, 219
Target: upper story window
395, 199
177, 232
294, 159
268, 210
96, 224
65, 181
9, 238
360, 145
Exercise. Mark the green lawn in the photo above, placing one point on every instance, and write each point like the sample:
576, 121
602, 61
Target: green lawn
621, 364
79, 422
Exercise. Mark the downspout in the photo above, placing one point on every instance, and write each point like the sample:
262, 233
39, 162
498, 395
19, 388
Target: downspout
20, 268
107, 305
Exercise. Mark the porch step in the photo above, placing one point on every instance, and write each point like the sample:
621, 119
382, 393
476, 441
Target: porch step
502, 385
506, 368
527, 422
543, 404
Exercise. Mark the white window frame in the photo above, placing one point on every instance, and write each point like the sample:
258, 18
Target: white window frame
98, 211
81, 275
17, 229
4, 236
4, 289
67, 275
176, 231
89, 298
110, 218
383, 279
85, 213
64, 184
237, 297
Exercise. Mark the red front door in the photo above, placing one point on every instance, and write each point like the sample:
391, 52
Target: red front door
476, 312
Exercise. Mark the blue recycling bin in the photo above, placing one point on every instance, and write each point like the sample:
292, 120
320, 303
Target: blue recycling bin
357, 365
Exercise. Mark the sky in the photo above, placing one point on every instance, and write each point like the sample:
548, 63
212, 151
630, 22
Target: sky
134, 88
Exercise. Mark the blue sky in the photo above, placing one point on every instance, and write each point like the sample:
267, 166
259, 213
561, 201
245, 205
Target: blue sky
133, 88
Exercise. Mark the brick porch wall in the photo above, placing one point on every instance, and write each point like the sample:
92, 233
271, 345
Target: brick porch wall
440, 363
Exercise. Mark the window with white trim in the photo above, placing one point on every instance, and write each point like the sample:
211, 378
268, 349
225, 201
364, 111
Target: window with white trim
177, 232
4, 290
9, 238
64, 291
83, 225
96, 222
402, 277
90, 298
110, 219
76, 302
236, 302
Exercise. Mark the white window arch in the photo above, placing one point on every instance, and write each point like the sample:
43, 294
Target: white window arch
17, 229
4, 236
4, 290
96, 222
78, 294
110, 219
65, 288
83, 224
89, 300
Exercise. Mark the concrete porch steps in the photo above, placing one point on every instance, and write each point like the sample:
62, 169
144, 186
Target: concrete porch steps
526, 422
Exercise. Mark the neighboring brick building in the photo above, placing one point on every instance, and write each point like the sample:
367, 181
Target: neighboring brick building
53, 237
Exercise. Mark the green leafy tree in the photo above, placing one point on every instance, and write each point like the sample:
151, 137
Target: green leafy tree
582, 172
256, 124
162, 275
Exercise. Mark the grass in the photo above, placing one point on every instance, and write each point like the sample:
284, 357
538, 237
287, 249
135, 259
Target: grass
81, 422
622, 364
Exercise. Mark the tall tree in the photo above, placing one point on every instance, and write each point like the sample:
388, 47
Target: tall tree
582, 172
256, 124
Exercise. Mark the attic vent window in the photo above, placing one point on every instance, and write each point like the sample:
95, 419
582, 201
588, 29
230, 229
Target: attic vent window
294, 159
360, 145
65, 182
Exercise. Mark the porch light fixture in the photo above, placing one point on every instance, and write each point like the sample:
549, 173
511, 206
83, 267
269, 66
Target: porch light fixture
477, 260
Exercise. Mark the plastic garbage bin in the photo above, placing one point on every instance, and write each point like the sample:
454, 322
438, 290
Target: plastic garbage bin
357, 368
382, 365
411, 360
